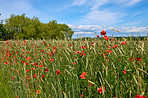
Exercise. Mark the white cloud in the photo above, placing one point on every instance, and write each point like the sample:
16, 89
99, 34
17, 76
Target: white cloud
98, 3
101, 18
83, 32
90, 29
132, 2
78, 2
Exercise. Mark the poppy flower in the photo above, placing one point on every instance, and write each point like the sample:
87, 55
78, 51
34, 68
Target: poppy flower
43, 76
103, 32
74, 63
97, 36
82, 95
38, 91
12, 78
112, 39
105, 37
82, 53
34, 76
140, 96
84, 73
124, 42
58, 72
82, 76
46, 70
115, 46
27, 70
131, 59
100, 89
124, 71
138, 59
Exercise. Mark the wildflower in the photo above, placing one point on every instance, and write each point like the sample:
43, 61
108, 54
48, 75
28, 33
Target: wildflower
38, 91
124, 71
105, 37
27, 70
82, 53
140, 96
82, 95
12, 78
103, 32
34, 76
112, 39
28, 77
42, 50
58, 72
97, 36
131, 59
100, 89
74, 63
46, 70
124, 42
138, 59
115, 46
41, 65
83, 75
43, 76
70, 44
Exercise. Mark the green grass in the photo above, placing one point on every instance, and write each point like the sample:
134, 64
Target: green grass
5, 89
103, 69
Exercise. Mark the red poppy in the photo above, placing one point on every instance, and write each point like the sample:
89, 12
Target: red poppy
58, 72
70, 44
105, 37
100, 89
27, 70
131, 59
124, 42
38, 91
82, 76
12, 78
41, 65
46, 70
78, 51
124, 71
34, 76
28, 77
84, 73
82, 95
115, 46
103, 32
138, 59
97, 35
74, 63
82, 53
43, 76
112, 39
140, 96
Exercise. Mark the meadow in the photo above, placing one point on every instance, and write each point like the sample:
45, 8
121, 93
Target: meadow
105, 67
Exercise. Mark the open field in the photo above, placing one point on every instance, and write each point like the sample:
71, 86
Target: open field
89, 68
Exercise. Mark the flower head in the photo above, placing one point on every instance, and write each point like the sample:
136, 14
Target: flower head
103, 32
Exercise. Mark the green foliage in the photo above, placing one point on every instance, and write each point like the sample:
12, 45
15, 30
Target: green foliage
22, 27
3, 31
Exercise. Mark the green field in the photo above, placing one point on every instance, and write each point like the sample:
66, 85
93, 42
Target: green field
89, 68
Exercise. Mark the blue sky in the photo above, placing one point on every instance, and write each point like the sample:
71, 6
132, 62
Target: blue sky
85, 16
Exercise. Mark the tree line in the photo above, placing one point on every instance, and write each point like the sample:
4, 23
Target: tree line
23, 27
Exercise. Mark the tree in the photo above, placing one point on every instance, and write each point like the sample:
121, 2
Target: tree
22, 27
3, 31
